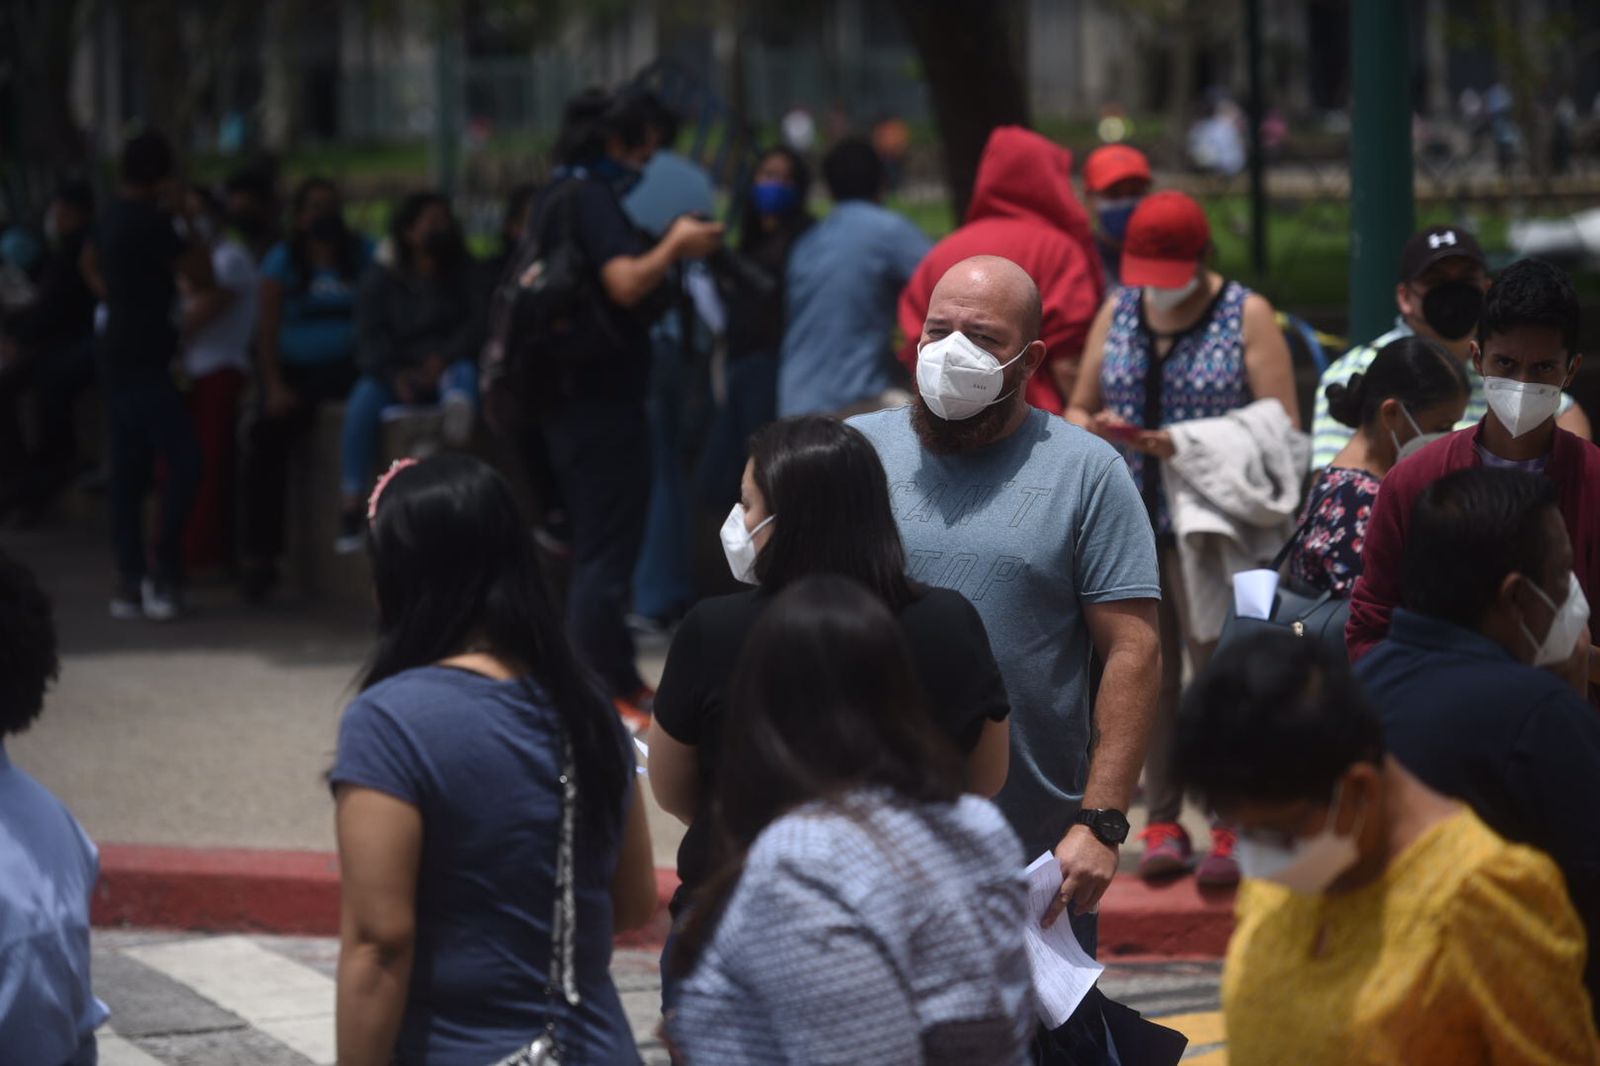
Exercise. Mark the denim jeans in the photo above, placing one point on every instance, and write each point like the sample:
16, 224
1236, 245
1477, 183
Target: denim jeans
363, 419
149, 422
751, 403
601, 455
663, 580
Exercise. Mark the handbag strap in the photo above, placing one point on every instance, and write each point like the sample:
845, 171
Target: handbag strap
1294, 538
561, 978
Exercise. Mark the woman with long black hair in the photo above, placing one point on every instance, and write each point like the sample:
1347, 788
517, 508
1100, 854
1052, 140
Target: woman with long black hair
491, 837
775, 215
419, 328
864, 909
815, 501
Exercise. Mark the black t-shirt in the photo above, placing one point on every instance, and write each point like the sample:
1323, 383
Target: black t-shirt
615, 342
139, 248
949, 647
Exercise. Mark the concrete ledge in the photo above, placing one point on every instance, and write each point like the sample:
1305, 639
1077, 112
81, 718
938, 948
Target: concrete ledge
297, 892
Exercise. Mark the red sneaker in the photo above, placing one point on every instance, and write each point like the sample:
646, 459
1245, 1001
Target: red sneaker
1166, 851
1220, 869
636, 710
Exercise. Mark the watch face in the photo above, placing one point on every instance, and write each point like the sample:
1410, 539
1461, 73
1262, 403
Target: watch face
1110, 826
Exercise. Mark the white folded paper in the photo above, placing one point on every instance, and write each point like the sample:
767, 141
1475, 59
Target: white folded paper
1063, 972
644, 749
1253, 593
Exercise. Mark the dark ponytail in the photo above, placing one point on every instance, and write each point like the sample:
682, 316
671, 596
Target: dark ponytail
1414, 370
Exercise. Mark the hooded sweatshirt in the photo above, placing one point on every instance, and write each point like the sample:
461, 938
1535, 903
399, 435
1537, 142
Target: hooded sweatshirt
1023, 208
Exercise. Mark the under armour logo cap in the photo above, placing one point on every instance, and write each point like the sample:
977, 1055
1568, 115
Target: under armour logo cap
1436, 243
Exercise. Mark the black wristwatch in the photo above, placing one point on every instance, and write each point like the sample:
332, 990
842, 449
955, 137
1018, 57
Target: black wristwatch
1110, 826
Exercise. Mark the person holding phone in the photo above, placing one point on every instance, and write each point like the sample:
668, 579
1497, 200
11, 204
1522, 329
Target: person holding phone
1177, 342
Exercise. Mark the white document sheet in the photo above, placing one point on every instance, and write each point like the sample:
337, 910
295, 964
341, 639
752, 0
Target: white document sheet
1253, 593
1063, 972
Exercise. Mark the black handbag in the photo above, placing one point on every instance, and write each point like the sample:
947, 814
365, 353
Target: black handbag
1319, 616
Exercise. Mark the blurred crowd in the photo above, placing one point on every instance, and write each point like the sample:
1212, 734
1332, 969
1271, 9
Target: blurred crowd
996, 514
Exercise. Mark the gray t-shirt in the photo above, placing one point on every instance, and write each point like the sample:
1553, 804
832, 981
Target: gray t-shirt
1029, 529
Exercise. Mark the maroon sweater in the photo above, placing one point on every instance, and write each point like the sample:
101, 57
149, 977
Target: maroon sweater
1574, 466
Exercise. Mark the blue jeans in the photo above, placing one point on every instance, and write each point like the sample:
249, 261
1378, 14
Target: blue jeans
752, 402
663, 582
363, 418
149, 422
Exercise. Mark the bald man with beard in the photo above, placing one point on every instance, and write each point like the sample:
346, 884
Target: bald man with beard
1039, 524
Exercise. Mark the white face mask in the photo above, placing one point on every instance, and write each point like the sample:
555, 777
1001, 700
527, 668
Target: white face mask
1521, 406
1565, 628
1167, 299
739, 544
1307, 866
958, 379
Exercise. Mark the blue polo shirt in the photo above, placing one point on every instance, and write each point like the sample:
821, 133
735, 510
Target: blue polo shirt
1515, 743
48, 868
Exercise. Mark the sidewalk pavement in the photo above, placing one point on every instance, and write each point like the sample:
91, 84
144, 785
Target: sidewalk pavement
194, 753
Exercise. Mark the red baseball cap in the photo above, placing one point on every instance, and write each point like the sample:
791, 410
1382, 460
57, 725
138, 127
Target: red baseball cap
1167, 238
1111, 163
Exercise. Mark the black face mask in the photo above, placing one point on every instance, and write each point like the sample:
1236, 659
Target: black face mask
1452, 309
326, 228
439, 243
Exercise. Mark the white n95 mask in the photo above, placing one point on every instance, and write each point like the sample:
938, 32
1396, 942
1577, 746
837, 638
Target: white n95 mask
1167, 299
958, 379
1521, 406
1565, 628
739, 544
1307, 866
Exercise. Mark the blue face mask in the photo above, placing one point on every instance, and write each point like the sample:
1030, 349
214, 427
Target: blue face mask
774, 197
1114, 216
619, 175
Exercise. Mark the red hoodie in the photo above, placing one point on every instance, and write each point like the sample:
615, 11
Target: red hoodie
1023, 208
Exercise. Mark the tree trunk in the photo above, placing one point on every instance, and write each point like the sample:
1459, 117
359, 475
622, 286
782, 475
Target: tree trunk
37, 38
974, 75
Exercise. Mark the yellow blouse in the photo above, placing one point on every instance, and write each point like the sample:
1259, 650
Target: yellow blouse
1466, 951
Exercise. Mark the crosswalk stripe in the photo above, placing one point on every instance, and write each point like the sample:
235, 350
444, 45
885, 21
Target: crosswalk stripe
289, 1002
115, 1051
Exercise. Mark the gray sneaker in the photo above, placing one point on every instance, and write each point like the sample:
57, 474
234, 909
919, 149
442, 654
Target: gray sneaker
126, 604
160, 600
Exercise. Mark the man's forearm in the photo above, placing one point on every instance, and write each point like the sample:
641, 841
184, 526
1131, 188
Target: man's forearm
1123, 717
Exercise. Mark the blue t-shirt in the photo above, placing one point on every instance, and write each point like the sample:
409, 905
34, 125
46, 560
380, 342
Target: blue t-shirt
480, 759
48, 868
319, 321
844, 280
1029, 529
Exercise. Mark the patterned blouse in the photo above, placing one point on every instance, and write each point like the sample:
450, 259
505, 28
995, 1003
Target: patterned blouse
1202, 376
1328, 555
888, 933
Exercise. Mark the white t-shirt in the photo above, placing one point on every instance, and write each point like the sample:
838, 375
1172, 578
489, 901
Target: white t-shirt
225, 342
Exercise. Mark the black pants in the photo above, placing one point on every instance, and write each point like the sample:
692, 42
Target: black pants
601, 456
150, 424
55, 379
266, 465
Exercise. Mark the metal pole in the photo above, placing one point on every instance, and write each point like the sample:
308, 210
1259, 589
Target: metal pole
1382, 212
447, 105
1257, 112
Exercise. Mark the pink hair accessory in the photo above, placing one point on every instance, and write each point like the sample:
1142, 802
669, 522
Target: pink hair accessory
383, 483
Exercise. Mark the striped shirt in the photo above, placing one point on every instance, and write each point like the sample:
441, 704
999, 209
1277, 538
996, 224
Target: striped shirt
886, 933
1329, 435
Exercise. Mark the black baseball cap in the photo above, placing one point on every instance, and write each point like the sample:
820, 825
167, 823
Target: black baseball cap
1429, 246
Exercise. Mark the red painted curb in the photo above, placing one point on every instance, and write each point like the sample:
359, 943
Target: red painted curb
297, 892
